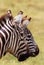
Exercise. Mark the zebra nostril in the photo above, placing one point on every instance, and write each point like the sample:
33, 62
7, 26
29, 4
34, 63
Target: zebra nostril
36, 51
33, 54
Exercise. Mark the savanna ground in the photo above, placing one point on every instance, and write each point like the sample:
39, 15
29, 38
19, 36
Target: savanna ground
35, 9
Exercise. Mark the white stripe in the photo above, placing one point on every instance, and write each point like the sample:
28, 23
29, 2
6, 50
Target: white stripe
3, 34
1, 45
21, 50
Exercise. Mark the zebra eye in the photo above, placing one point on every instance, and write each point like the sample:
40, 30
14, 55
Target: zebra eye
29, 36
21, 34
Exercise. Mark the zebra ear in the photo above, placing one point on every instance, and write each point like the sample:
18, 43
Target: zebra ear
29, 19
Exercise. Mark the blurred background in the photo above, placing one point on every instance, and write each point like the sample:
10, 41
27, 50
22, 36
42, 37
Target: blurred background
34, 9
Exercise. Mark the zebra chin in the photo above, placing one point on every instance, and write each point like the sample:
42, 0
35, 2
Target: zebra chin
27, 55
23, 57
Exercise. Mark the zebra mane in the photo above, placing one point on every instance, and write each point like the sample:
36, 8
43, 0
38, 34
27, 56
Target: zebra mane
5, 17
2, 18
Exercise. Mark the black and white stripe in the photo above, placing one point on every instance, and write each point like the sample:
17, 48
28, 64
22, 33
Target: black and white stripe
27, 45
16, 41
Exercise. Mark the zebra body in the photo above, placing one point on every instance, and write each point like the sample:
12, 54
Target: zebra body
16, 41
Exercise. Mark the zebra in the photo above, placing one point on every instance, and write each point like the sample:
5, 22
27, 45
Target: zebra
16, 41
31, 46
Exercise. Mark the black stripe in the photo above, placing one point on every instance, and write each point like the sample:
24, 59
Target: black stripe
5, 33
22, 51
3, 40
21, 44
16, 41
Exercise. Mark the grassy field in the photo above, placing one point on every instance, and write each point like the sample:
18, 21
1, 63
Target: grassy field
35, 9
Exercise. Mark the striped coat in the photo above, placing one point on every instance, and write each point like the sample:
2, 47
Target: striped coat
19, 42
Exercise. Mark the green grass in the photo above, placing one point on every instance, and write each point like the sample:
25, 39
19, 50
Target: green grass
35, 9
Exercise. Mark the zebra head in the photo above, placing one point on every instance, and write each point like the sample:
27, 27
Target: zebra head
15, 40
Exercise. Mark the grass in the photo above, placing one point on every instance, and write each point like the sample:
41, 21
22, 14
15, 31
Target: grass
35, 9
